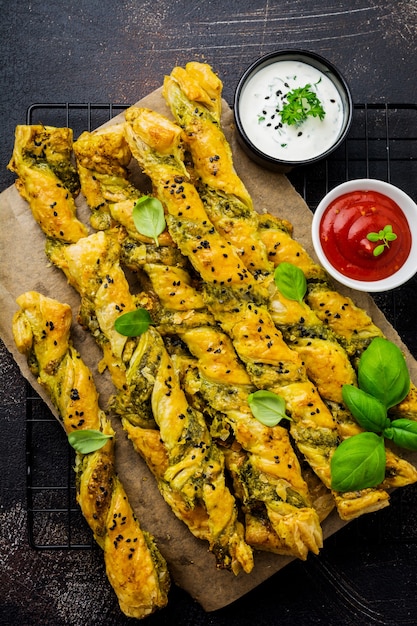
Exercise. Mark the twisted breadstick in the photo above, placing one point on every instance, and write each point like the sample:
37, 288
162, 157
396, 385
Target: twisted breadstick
237, 302
267, 473
194, 95
352, 326
134, 566
47, 179
179, 301
92, 267
311, 335
193, 466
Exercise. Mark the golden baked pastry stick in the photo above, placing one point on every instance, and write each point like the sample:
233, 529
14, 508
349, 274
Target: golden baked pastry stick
151, 397
134, 566
103, 155
235, 300
92, 267
101, 160
267, 476
105, 150
194, 465
176, 293
216, 180
327, 364
47, 179
351, 325
194, 95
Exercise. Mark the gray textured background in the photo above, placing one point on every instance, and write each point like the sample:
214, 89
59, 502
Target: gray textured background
104, 51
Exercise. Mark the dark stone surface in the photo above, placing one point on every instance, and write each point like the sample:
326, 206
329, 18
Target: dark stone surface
104, 51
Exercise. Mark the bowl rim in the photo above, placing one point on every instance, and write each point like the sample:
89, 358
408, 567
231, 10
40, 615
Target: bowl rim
302, 55
407, 205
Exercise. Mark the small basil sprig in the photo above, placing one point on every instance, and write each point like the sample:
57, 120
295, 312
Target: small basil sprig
133, 323
291, 281
148, 216
87, 440
384, 381
385, 235
267, 407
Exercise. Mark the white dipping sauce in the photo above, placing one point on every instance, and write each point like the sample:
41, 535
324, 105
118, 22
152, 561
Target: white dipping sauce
263, 97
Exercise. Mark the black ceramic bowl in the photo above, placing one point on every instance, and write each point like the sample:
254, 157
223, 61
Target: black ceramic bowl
272, 97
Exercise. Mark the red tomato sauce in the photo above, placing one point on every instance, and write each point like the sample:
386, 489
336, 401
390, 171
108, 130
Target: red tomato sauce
345, 225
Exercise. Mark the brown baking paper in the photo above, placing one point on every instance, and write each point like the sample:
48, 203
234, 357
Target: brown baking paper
24, 266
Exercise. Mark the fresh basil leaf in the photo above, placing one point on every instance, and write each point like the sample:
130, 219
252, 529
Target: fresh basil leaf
133, 323
291, 281
368, 411
148, 216
383, 372
267, 407
403, 432
87, 440
378, 250
358, 463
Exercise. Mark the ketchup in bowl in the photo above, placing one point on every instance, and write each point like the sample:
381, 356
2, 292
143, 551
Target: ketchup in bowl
346, 225
364, 232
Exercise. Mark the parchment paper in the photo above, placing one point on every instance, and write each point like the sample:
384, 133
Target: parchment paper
24, 266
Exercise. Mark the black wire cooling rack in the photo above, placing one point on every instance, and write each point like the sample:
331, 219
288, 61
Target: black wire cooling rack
382, 143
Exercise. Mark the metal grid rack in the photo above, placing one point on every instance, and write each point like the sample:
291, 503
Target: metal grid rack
54, 519
382, 144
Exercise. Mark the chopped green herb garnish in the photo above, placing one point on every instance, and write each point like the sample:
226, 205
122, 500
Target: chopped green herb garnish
301, 103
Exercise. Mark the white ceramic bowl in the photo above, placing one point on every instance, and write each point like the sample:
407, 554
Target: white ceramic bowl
261, 95
409, 209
